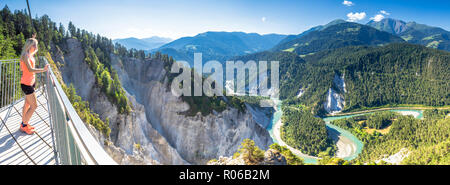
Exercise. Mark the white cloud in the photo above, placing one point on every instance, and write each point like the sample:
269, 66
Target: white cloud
352, 17
348, 3
384, 12
263, 19
377, 18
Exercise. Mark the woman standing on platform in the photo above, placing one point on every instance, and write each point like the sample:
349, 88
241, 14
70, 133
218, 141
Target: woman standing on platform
27, 82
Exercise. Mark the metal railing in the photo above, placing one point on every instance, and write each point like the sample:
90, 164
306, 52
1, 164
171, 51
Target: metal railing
9, 82
74, 144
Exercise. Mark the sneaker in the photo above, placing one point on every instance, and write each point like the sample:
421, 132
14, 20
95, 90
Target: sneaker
27, 125
27, 129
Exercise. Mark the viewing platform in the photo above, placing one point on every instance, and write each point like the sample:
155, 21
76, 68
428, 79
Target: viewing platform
17, 147
61, 137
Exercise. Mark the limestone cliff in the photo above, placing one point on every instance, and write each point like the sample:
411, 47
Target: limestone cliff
335, 96
164, 136
197, 138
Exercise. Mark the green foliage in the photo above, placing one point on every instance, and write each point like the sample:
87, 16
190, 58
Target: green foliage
352, 124
374, 76
137, 146
327, 160
16, 27
291, 158
203, 104
219, 46
435, 113
291, 69
212, 161
398, 74
418, 136
438, 154
83, 110
250, 153
6, 46
349, 123
110, 85
380, 120
337, 36
305, 132
99, 62
417, 33
253, 155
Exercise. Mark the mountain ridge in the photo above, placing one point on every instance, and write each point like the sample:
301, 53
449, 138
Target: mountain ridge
337, 36
144, 43
219, 45
413, 32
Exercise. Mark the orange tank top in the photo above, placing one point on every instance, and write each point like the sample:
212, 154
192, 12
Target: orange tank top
28, 77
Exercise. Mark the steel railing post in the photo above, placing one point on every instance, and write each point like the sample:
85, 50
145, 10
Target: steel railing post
9, 85
14, 91
1, 86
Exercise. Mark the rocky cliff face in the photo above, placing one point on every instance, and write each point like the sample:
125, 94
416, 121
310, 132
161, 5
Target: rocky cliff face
163, 135
335, 95
261, 115
127, 131
198, 138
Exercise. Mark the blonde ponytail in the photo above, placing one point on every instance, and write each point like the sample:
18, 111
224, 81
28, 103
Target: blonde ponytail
26, 49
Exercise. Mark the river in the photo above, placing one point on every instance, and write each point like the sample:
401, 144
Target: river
348, 145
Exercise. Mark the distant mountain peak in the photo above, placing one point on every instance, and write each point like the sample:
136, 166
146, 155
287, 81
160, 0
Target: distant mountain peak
144, 43
336, 35
389, 25
336, 21
219, 45
320, 27
416, 33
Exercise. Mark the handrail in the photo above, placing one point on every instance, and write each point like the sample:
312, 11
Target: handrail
73, 143
87, 146
9, 83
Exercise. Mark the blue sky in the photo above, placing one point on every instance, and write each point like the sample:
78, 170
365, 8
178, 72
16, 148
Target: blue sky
178, 18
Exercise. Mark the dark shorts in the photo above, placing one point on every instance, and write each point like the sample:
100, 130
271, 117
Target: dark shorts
27, 89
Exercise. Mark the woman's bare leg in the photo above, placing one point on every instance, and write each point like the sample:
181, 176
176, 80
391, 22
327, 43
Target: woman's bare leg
31, 100
26, 106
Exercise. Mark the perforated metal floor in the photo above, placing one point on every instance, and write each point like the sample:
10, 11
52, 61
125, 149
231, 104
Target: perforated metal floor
18, 148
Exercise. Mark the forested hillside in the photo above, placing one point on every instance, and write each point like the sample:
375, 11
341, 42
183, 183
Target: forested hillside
427, 140
374, 76
393, 74
337, 36
16, 27
315, 28
305, 132
412, 32
219, 45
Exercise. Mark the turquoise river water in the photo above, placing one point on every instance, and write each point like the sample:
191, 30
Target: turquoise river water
359, 144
